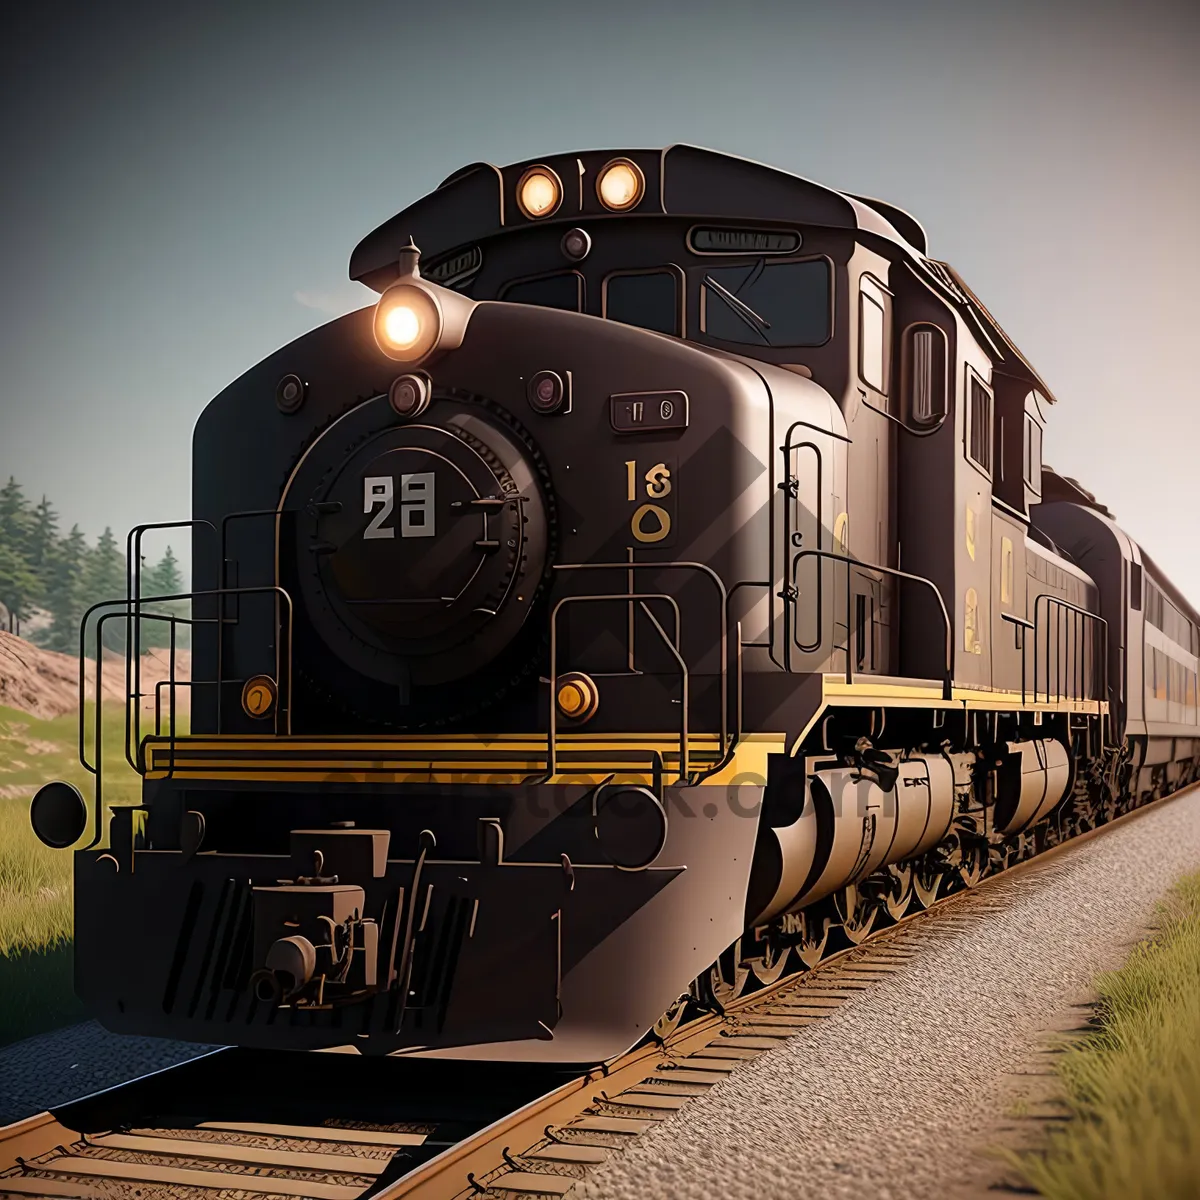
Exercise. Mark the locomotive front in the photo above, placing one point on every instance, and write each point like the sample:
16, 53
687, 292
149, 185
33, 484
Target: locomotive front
466, 770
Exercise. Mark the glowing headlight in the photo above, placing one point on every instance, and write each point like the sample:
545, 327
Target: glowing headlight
539, 192
408, 323
620, 185
401, 326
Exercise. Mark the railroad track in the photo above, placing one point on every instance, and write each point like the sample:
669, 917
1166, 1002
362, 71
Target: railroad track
437, 1129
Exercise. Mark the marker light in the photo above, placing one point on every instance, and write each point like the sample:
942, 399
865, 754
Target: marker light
408, 322
578, 697
539, 192
620, 185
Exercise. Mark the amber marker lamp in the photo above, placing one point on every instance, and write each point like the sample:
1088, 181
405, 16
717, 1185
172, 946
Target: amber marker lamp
577, 696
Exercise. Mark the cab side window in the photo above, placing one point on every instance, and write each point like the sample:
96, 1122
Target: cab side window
924, 353
979, 423
1033, 454
562, 290
768, 303
647, 299
873, 320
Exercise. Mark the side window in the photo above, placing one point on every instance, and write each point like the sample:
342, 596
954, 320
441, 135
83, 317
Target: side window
768, 304
1033, 454
563, 290
648, 299
979, 423
872, 334
923, 355
1135, 586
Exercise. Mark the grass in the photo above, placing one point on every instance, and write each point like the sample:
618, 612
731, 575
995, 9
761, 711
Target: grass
1132, 1086
35, 881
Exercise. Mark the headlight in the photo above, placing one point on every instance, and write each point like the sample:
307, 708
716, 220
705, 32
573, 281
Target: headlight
620, 184
408, 323
539, 192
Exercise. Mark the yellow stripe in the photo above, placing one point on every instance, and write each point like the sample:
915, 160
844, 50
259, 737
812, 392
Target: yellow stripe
835, 692
276, 759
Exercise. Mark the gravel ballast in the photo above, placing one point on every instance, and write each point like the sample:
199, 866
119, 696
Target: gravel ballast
900, 1091
54, 1068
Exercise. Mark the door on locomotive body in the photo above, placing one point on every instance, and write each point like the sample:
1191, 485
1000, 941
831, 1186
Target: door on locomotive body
812, 517
974, 466
875, 503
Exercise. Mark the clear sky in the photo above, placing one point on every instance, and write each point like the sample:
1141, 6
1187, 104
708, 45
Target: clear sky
181, 188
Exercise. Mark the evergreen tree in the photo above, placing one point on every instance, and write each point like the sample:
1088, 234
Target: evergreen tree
43, 534
19, 584
163, 579
167, 580
104, 579
65, 594
14, 517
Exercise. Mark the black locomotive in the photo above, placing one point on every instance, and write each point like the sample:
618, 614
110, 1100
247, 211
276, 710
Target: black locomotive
659, 587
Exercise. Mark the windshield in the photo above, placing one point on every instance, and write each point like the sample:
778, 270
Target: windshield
768, 304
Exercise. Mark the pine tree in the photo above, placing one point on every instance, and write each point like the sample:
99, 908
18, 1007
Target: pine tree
167, 580
18, 582
14, 517
43, 533
163, 579
104, 579
65, 592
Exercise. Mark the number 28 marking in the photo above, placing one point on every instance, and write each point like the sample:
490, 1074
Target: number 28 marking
416, 505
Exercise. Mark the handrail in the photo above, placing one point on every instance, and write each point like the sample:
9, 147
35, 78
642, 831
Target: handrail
127, 610
1062, 605
790, 595
627, 597
723, 615
1022, 625
133, 633
790, 537
221, 579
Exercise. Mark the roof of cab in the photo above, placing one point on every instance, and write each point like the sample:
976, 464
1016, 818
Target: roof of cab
478, 202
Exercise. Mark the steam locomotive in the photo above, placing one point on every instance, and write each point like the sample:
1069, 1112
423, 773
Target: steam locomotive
658, 588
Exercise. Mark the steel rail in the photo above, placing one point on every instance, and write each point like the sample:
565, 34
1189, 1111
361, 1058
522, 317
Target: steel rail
649, 1080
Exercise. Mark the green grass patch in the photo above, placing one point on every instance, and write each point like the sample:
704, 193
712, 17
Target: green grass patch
35, 881
1133, 1084
36, 893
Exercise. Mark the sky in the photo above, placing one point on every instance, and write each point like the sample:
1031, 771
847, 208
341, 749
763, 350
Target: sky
182, 186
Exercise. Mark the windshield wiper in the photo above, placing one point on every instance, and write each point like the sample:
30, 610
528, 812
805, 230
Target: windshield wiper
739, 308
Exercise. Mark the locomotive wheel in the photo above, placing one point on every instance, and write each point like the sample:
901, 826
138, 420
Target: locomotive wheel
858, 914
671, 1019
813, 940
898, 898
771, 965
928, 885
727, 978
973, 868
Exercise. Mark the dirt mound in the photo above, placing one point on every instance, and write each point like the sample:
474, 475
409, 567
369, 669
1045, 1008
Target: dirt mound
45, 683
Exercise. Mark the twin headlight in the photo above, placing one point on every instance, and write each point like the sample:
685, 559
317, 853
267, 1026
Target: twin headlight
412, 318
620, 186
